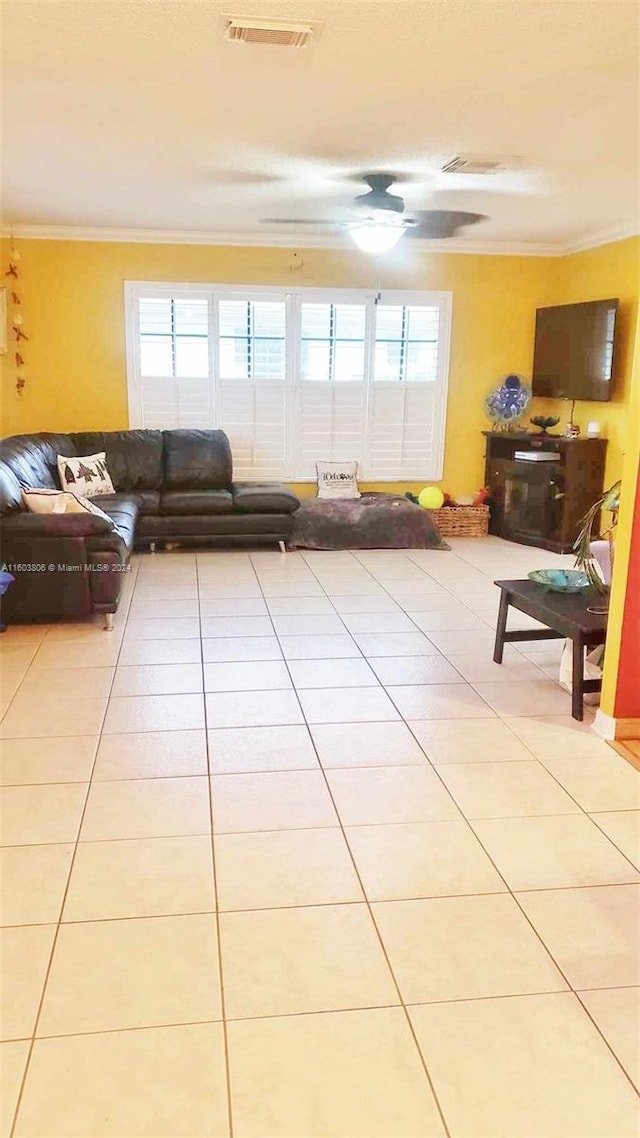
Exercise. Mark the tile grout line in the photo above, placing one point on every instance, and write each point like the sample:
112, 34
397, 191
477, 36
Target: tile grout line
225, 1033
63, 902
396, 985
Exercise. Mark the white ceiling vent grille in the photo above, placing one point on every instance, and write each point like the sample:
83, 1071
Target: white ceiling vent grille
276, 33
477, 164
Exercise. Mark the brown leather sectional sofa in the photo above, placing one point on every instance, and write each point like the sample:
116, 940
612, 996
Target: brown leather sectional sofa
170, 486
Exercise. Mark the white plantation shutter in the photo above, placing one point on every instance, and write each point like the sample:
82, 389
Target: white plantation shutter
296, 377
331, 424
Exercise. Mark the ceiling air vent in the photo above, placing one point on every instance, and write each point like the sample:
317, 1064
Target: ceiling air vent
477, 164
278, 33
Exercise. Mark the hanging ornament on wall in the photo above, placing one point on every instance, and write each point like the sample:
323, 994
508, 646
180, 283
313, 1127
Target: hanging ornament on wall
17, 319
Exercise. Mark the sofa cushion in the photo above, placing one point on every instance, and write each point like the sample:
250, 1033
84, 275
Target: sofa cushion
196, 502
263, 498
122, 509
134, 458
33, 459
174, 527
10, 490
148, 501
197, 460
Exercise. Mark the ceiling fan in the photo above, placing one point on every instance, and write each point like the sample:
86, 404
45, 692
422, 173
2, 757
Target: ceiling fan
384, 225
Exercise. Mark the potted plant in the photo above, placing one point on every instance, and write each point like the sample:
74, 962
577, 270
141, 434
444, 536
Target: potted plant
585, 561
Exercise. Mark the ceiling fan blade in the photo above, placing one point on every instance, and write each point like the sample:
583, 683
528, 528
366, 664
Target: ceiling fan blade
442, 223
299, 221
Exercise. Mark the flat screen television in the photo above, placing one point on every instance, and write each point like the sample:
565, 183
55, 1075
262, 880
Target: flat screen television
574, 350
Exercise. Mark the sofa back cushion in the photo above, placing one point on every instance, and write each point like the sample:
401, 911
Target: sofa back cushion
33, 462
197, 460
134, 458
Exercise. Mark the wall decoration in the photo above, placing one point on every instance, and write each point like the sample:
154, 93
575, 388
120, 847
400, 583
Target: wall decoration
13, 304
506, 405
3, 321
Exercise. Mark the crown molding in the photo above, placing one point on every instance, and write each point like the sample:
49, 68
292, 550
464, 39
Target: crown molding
287, 239
310, 240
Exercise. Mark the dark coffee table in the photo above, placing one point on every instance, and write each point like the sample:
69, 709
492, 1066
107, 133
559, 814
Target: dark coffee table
567, 618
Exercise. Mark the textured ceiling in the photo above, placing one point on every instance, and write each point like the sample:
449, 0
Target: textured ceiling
138, 113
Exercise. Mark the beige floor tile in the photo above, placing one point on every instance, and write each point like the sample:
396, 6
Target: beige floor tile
351, 705
421, 859
141, 877
288, 961
10, 679
462, 948
23, 634
415, 670
157, 679
351, 586
348, 1074
108, 975
284, 800
282, 868
529, 697
84, 683
468, 741
530, 1065
623, 828
168, 608
233, 606
506, 790
291, 588
210, 590
25, 956
376, 602
450, 618
252, 709
322, 625
234, 750
594, 934
378, 622
259, 675
13, 1060
154, 713
221, 649
300, 606
166, 1082
617, 1014
440, 701
384, 795
178, 628
230, 626
602, 782
33, 883
366, 745
147, 808
33, 815
16, 656
374, 644
478, 642
35, 716
144, 653
319, 647
332, 674
61, 759
558, 737
553, 852
482, 669
90, 632
151, 754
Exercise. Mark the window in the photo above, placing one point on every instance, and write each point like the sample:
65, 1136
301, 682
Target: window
295, 376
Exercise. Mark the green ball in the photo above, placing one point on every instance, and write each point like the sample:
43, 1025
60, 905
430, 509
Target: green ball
431, 498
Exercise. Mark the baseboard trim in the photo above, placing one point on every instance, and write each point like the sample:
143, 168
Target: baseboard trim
609, 728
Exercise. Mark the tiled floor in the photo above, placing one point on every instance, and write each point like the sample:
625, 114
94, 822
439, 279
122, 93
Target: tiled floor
287, 856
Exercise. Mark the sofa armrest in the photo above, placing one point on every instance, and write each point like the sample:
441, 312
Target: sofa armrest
24, 524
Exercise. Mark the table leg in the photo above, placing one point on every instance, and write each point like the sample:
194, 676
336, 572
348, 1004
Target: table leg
577, 692
501, 626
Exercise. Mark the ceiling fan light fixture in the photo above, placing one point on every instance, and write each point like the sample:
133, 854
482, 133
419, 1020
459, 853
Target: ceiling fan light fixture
376, 237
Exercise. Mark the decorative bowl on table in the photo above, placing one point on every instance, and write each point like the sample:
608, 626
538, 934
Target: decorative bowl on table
560, 580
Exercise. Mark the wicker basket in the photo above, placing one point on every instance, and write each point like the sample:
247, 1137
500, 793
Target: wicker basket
462, 521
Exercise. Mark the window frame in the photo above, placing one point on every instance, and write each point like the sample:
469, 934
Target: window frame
292, 382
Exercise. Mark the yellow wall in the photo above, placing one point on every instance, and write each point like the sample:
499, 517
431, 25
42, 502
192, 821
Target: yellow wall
73, 312
608, 271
